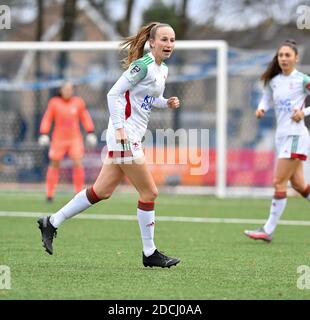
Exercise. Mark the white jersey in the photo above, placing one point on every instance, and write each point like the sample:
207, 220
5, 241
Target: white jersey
285, 93
133, 96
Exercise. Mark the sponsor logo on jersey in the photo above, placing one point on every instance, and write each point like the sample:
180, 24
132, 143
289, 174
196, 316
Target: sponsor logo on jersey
147, 103
284, 105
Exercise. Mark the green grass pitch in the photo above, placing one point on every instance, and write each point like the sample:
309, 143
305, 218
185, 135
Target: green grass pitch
101, 259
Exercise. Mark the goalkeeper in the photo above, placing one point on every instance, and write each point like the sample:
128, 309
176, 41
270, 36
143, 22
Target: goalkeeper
66, 111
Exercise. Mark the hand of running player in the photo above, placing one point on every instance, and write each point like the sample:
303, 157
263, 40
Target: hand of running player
173, 102
260, 113
297, 115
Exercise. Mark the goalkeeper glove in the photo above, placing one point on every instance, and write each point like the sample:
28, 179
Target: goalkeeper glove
91, 139
44, 140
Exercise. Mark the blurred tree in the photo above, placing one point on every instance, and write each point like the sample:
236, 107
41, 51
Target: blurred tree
178, 19
124, 25
184, 18
69, 18
38, 69
101, 7
241, 14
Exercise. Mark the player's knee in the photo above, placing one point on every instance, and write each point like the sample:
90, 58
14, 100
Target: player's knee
278, 184
275, 183
153, 194
149, 195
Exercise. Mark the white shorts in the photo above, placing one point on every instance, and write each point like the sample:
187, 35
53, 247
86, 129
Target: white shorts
118, 153
293, 147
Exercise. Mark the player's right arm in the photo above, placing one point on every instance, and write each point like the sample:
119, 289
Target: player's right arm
46, 124
47, 120
265, 103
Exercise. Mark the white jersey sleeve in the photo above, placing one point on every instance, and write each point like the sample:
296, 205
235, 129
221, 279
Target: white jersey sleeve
306, 84
160, 102
288, 95
119, 88
130, 101
266, 101
136, 72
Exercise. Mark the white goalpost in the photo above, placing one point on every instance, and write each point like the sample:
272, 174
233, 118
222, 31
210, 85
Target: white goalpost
220, 75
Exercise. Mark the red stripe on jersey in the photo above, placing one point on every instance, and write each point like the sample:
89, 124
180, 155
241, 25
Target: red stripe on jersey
308, 86
128, 105
298, 156
120, 154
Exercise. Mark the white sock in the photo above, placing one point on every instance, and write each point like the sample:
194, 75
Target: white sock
147, 225
308, 198
78, 204
276, 210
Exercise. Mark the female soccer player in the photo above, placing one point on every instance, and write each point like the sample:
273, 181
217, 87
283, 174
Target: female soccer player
285, 90
137, 91
66, 111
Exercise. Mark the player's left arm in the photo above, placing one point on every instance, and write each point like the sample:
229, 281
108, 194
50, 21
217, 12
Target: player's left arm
87, 122
162, 103
306, 84
85, 118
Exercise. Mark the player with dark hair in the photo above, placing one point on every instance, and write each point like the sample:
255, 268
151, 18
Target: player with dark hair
285, 90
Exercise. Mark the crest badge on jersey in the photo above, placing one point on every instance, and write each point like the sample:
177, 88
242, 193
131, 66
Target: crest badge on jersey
73, 109
135, 69
136, 146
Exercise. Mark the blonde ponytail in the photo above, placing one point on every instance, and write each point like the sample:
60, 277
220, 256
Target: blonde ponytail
136, 43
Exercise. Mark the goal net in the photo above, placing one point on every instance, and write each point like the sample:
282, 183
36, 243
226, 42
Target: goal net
212, 144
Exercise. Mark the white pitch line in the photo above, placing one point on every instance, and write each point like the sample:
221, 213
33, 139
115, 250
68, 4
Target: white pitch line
158, 218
